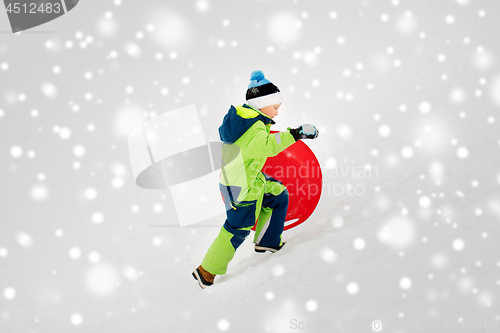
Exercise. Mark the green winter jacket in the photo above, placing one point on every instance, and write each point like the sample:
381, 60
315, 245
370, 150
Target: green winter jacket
248, 142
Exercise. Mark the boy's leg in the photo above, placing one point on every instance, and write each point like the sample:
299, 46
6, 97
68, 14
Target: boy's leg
264, 216
272, 214
240, 220
222, 250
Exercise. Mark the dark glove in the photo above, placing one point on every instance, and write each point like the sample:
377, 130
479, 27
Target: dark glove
305, 131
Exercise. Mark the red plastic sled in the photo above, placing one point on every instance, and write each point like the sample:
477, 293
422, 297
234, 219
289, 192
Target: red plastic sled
298, 169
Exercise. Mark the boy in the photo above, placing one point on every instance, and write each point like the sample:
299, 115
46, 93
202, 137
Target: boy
250, 195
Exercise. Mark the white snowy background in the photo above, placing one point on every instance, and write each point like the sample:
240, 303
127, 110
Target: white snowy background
406, 94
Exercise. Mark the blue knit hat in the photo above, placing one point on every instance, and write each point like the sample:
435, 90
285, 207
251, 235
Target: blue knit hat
261, 92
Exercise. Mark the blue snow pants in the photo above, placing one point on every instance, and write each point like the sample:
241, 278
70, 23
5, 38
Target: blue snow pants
269, 212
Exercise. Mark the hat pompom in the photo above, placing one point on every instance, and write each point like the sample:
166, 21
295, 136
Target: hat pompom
257, 75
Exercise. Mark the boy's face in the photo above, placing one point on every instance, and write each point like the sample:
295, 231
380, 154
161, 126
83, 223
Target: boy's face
271, 110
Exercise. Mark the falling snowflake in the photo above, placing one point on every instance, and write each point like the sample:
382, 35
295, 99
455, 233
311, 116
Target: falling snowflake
269, 295
405, 283
9, 293
462, 152
16, 151
94, 257
425, 107
77, 319
311, 305
75, 253
24, 239
39, 192
223, 325
397, 232
278, 270
328, 255
101, 279
90, 193
458, 245
352, 288
337, 222
359, 244
384, 130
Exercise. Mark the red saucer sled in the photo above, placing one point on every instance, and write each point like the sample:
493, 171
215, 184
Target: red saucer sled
298, 169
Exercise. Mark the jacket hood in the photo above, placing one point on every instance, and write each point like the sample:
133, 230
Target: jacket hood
233, 125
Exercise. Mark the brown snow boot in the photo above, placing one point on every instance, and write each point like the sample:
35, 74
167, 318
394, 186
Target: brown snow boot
205, 279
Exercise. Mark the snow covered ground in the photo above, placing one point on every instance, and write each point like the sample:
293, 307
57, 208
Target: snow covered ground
406, 95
